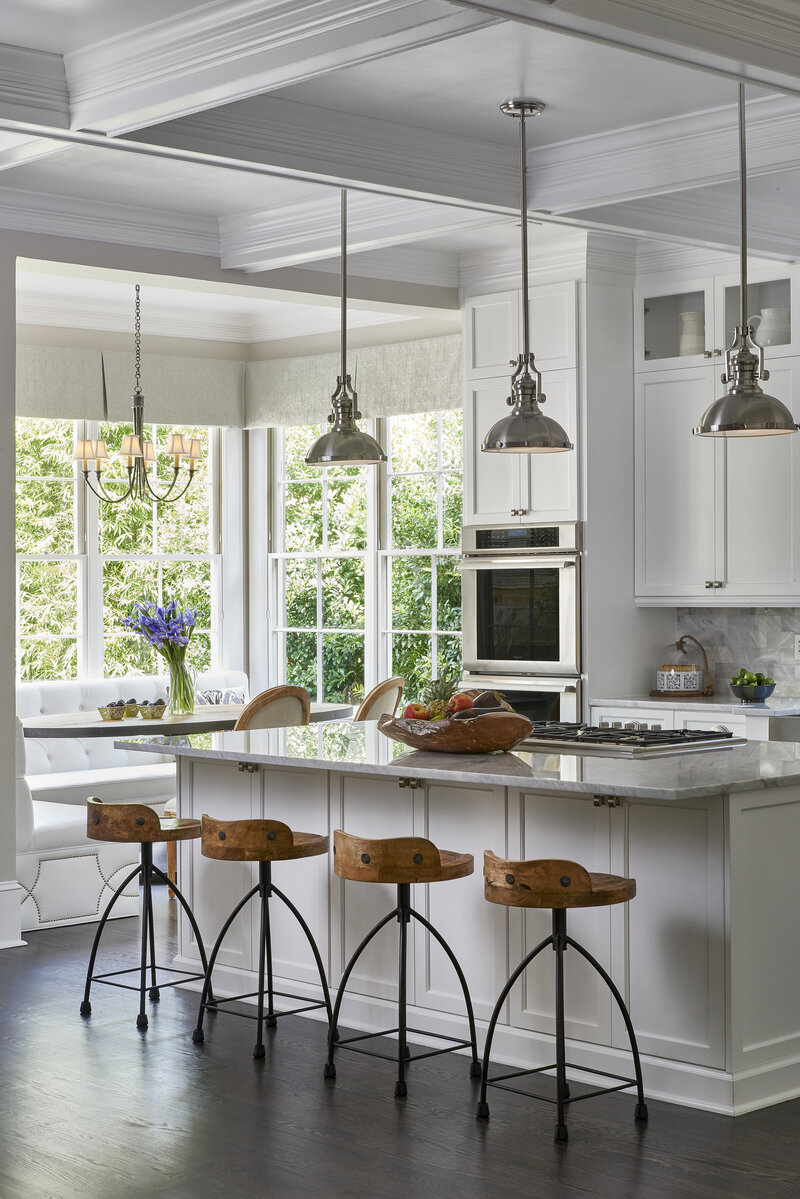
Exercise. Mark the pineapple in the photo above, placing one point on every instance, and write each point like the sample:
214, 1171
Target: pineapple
436, 694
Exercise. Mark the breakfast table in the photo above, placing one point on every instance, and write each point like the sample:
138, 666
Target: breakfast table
208, 718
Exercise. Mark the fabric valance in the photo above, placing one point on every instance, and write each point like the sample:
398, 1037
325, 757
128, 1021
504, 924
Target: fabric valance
177, 390
59, 383
391, 380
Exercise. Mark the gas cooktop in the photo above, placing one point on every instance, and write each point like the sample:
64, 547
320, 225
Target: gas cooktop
624, 743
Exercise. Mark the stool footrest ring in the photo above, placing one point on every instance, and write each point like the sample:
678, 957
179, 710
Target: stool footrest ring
457, 1043
216, 1005
499, 1081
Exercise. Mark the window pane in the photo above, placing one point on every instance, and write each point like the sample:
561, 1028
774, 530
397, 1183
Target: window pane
448, 661
303, 516
414, 441
342, 664
47, 658
45, 516
185, 526
411, 658
411, 593
343, 593
48, 598
44, 447
199, 652
301, 593
452, 439
301, 661
451, 510
126, 528
347, 514
125, 584
448, 593
190, 584
125, 653
414, 513
297, 441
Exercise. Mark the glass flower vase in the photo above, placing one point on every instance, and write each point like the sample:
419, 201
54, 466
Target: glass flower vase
181, 689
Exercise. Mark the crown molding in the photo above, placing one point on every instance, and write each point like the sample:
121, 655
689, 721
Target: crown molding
689, 151
406, 264
33, 87
67, 216
304, 232
351, 149
563, 257
225, 52
661, 258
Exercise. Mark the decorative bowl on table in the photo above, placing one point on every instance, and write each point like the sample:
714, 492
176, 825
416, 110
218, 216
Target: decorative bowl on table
111, 712
492, 732
752, 693
152, 711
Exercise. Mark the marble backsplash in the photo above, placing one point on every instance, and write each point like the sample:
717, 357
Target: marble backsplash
758, 638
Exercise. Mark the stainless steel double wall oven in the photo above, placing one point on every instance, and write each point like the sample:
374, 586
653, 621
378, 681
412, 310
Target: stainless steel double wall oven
521, 615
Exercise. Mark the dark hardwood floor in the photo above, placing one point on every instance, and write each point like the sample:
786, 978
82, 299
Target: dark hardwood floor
93, 1109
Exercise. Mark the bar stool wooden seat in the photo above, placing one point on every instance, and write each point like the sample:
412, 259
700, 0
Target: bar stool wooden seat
138, 822
558, 885
402, 861
265, 842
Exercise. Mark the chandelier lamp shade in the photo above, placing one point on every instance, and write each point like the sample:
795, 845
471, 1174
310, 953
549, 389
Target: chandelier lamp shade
137, 453
526, 430
745, 410
344, 444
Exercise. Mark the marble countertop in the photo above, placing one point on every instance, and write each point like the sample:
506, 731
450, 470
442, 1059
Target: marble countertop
776, 705
362, 749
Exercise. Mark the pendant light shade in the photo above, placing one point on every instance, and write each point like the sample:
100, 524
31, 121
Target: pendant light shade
344, 444
745, 410
526, 430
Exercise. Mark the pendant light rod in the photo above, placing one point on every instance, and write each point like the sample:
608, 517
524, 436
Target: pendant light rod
523, 207
343, 227
742, 210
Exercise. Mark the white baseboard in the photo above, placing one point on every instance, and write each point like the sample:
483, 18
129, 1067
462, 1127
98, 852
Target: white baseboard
672, 1081
10, 915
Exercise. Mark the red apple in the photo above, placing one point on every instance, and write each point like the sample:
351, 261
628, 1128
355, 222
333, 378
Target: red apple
460, 702
416, 712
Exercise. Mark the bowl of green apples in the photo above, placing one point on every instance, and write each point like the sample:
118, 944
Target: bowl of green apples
752, 687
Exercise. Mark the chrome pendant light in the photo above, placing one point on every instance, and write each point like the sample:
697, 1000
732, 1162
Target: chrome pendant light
527, 430
745, 410
344, 444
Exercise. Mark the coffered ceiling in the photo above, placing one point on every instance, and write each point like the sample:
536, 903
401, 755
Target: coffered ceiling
226, 129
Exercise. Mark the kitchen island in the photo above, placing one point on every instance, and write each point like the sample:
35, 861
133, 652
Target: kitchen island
707, 954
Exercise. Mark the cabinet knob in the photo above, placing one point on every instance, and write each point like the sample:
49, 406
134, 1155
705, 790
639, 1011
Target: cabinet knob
718, 583
717, 353
709, 584
706, 353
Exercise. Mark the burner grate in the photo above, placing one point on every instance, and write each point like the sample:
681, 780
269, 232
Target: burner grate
577, 736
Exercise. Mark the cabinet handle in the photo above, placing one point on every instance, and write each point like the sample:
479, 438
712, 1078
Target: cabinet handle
706, 353
248, 767
718, 583
709, 584
718, 353
413, 784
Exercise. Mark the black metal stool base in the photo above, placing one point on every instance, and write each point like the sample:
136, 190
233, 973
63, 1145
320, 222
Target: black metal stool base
559, 940
265, 889
146, 872
404, 913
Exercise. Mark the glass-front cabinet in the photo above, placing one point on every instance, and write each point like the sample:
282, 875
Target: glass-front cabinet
693, 322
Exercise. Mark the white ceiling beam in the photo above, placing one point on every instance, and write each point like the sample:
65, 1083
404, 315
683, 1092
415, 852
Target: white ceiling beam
753, 41
689, 151
296, 234
326, 146
33, 87
225, 52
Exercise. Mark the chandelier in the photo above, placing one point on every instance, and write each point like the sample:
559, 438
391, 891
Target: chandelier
138, 454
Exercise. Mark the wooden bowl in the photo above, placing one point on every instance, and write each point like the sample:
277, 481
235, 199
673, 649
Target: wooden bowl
489, 733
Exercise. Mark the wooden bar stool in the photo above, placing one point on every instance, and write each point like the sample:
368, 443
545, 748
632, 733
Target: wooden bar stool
138, 822
265, 842
558, 885
403, 861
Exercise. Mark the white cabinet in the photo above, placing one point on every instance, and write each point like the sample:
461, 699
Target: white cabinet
693, 322
716, 519
519, 488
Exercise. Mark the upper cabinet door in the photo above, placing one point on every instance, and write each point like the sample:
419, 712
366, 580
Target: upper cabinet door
553, 326
674, 326
491, 481
549, 482
491, 338
769, 309
762, 509
677, 489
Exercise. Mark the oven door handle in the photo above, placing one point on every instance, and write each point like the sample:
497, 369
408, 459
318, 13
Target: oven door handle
516, 563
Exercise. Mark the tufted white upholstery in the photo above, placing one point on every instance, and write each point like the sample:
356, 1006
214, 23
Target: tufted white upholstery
65, 877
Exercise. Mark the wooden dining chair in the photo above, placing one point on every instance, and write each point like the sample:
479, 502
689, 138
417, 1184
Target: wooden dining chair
383, 698
275, 708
